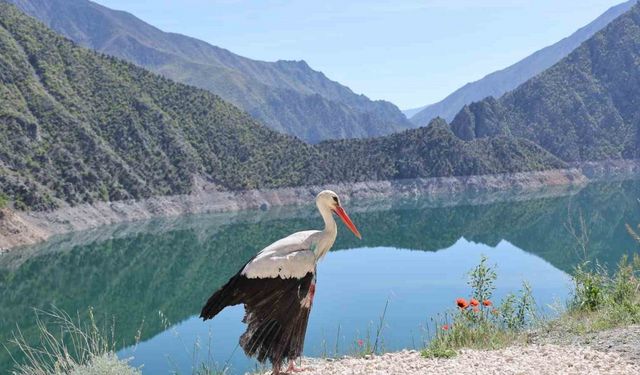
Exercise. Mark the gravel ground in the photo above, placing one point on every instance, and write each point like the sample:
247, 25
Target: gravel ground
624, 341
533, 359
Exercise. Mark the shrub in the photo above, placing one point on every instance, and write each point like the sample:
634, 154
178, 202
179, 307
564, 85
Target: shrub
589, 287
4, 200
607, 300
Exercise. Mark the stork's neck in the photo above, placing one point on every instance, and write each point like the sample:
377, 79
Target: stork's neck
330, 225
328, 235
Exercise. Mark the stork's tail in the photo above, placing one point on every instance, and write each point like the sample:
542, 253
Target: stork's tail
228, 295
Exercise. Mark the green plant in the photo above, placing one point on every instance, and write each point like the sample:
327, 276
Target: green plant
477, 323
439, 351
602, 300
378, 340
4, 200
369, 344
517, 311
103, 193
107, 364
590, 287
482, 280
20, 205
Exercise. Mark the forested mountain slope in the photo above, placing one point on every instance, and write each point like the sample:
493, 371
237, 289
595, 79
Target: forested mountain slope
77, 126
502, 81
287, 96
586, 107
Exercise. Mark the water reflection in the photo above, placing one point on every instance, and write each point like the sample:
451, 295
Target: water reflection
130, 272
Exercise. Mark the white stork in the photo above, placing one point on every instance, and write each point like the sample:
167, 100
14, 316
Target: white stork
277, 288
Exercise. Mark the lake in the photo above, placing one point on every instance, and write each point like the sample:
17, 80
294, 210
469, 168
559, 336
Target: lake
150, 279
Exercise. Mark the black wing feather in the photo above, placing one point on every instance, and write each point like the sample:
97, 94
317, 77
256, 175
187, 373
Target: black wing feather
275, 313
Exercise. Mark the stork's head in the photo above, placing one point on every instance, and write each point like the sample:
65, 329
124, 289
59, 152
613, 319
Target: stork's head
327, 199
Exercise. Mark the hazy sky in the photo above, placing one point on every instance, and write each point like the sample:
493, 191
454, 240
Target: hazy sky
409, 52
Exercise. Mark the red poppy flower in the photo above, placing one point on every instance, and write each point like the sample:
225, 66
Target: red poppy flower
360, 342
476, 309
462, 303
474, 302
445, 327
487, 303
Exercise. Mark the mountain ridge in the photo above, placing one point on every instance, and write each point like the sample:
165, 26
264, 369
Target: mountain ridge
289, 97
79, 127
500, 82
586, 107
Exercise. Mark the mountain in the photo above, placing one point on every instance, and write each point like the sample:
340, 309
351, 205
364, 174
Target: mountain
586, 107
412, 111
77, 126
502, 81
288, 96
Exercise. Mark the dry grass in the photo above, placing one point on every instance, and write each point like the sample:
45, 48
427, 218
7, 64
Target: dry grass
68, 346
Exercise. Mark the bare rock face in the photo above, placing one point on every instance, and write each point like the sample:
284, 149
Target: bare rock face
614, 169
14, 230
30, 227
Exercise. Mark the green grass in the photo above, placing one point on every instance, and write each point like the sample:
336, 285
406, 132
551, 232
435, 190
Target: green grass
603, 300
75, 346
439, 351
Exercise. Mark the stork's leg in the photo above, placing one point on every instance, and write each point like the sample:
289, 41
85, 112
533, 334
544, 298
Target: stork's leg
292, 367
276, 368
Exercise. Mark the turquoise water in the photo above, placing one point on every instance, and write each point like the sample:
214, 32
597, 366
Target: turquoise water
153, 277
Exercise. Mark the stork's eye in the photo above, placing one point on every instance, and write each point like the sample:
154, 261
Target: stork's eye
335, 199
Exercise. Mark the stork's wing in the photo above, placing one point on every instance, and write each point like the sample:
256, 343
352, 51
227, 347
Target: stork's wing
277, 317
276, 288
290, 257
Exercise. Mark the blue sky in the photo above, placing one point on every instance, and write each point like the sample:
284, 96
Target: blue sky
409, 52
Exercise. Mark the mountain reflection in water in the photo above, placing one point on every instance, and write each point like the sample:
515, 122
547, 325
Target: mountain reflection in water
414, 253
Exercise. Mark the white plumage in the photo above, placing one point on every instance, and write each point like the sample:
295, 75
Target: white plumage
292, 256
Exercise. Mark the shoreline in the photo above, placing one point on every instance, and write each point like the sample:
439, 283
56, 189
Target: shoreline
614, 351
18, 229
529, 359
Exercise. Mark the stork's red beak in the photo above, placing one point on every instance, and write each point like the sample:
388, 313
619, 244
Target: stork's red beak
347, 221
